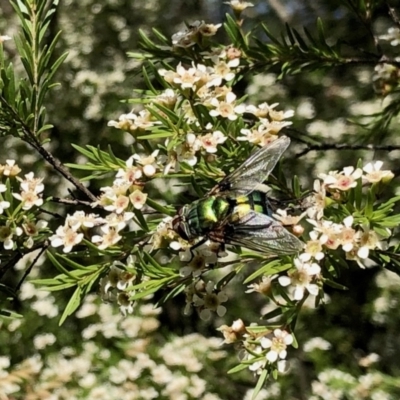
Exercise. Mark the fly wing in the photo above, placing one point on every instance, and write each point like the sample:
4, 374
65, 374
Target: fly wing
260, 232
254, 171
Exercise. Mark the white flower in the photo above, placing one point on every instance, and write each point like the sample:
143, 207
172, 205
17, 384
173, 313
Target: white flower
265, 110
260, 135
277, 345
6, 236
3, 38
239, 5
262, 110
274, 126
211, 140
313, 248
79, 218
109, 238
138, 198
343, 180
393, 36
31, 184
4, 205
317, 201
208, 29
368, 240
132, 122
168, 98
301, 279
148, 163
67, 237
330, 232
186, 78
222, 70
374, 173
131, 173
210, 301
10, 168
285, 219
226, 108
118, 221
197, 259
256, 366
29, 199
347, 236
318, 343
186, 152
43, 340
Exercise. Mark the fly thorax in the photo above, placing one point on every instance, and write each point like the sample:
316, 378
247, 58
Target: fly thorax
205, 214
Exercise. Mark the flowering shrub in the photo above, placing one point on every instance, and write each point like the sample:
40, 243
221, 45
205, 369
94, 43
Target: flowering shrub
190, 126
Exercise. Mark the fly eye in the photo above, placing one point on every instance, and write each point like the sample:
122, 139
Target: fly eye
179, 225
182, 232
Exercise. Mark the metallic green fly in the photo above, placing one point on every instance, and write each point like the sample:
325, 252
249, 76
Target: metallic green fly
237, 210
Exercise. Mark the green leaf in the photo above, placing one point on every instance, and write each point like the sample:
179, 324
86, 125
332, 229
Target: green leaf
73, 304
141, 220
160, 36
271, 268
59, 266
171, 294
9, 315
260, 383
76, 265
334, 284
145, 42
147, 80
238, 368
234, 33
296, 186
158, 135
160, 208
273, 314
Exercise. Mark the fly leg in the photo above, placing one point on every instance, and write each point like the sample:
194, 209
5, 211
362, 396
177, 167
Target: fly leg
221, 248
195, 246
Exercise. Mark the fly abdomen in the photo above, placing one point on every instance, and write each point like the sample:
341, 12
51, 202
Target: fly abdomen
257, 201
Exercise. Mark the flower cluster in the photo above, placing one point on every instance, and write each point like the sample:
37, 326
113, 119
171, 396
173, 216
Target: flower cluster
176, 366
387, 76
190, 91
392, 36
356, 240
206, 298
31, 188
120, 199
16, 221
31, 191
113, 286
266, 351
69, 235
112, 224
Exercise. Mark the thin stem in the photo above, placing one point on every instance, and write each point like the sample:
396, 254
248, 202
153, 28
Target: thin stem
344, 146
30, 138
35, 73
29, 269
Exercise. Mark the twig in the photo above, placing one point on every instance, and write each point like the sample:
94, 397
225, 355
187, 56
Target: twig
30, 138
344, 146
5, 267
16, 257
73, 202
334, 62
29, 269
53, 214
